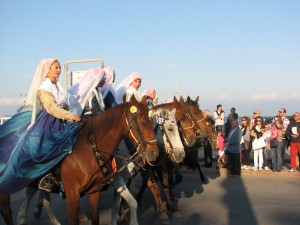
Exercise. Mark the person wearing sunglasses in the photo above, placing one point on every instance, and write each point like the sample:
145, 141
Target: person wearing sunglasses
293, 131
256, 132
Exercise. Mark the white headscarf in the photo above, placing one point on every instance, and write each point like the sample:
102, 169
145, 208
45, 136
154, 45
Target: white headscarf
79, 92
125, 84
39, 76
110, 78
147, 91
32, 101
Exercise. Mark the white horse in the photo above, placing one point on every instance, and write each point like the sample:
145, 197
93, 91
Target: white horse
173, 145
168, 138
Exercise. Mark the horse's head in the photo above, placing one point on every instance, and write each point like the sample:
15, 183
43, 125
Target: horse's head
212, 134
185, 122
167, 132
205, 128
141, 130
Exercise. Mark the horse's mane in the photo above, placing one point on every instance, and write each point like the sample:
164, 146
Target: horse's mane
163, 105
103, 122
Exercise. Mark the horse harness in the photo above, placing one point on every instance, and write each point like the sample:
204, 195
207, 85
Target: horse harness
103, 164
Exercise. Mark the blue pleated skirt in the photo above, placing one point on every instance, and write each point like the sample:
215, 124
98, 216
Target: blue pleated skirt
26, 155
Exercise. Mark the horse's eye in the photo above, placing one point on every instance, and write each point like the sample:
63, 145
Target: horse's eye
172, 120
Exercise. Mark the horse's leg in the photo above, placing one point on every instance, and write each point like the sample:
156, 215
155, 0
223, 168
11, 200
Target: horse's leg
148, 177
142, 190
82, 216
73, 200
125, 194
203, 178
122, 212
165, 174
118, 184
115, 209
38, 206
94, 203
47, 205
5, 209
21, 217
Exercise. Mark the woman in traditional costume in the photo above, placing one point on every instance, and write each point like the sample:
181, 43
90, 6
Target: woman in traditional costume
129, 87
34, 141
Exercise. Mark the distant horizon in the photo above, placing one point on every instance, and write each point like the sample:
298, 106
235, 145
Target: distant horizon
15, 107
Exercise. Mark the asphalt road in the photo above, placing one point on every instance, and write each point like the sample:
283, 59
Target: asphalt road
256, 198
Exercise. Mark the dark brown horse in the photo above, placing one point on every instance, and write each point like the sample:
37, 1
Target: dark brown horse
206, 134
84, 171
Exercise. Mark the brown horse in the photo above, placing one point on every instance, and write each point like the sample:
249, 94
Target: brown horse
206, 133
84, 171
205, 127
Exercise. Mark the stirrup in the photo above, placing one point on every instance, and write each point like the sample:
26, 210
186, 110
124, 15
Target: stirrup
46, 183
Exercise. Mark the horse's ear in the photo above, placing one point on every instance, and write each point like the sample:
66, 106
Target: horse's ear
181, 100
144, 98
133, 99
188, 100
175, 99
197, 99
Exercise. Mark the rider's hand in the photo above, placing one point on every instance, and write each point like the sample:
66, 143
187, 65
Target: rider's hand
76, 118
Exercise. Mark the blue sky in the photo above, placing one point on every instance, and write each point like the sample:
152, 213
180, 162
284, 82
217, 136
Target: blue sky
242, 53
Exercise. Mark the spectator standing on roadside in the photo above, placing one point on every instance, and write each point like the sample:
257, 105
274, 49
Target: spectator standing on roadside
228, 125
257, 131
293, 132
233, 148
286, 122
256, 114
245, 143
277, 132
219, 152
219, 116
234, 114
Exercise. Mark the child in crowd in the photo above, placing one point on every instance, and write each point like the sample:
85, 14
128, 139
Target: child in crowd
220, 150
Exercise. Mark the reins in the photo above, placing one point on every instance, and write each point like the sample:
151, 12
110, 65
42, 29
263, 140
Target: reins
140, 140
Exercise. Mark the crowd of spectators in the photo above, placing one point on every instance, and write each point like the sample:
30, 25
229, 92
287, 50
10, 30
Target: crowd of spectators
276, 135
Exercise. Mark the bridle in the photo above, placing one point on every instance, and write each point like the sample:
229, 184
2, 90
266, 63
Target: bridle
197, 122
141, 143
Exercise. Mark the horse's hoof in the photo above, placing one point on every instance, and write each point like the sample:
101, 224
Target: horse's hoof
83, 218
204, 181
165, 221
176, 214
